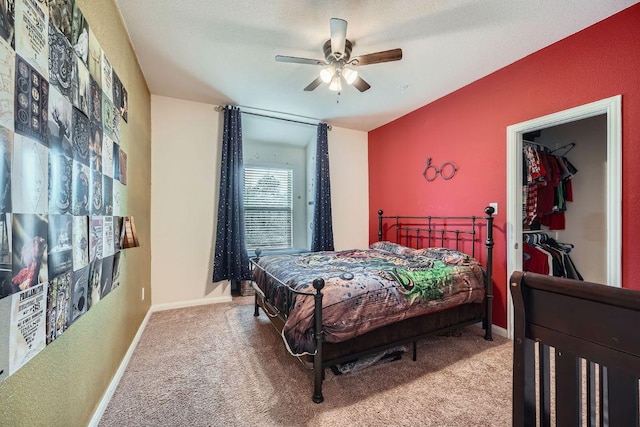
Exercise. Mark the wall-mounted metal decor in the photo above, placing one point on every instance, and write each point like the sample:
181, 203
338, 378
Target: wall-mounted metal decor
446, 171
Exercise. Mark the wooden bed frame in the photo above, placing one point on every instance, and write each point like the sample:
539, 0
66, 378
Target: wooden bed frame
592, 332
408, 230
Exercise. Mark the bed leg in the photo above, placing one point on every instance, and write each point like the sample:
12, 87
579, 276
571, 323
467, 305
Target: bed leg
318, 370
256, 313
415, 352
489, 210
488, 333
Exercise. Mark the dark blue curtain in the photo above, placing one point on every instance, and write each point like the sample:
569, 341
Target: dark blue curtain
322, 237
231, 260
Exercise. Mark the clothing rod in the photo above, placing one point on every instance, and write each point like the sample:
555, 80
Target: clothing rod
220, 108
534, 143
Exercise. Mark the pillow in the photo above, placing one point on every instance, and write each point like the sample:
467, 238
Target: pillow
391, 247
446, 255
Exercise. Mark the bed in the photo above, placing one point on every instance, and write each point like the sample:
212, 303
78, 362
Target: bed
576, 352
422, 276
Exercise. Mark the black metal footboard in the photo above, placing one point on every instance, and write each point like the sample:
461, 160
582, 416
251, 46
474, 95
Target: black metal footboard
419, 230
262, 301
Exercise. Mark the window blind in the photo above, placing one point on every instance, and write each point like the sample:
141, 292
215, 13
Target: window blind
268, 207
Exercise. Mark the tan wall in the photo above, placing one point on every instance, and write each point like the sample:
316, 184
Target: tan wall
64, 383
349, 169
186, 155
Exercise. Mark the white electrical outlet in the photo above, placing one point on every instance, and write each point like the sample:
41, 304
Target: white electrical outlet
494, 205
142, 294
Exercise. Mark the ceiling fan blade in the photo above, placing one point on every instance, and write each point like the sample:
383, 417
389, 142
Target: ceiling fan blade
338, 36
360, 84
314, 84
375, 58
296, 60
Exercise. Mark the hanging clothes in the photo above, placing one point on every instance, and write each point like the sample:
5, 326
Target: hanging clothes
546, 187
544, 255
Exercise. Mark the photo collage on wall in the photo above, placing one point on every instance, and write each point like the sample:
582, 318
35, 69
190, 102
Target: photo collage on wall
63, 174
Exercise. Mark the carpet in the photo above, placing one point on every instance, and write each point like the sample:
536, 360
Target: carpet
218, 365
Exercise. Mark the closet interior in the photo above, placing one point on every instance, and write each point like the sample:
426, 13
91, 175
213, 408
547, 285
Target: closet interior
564, 200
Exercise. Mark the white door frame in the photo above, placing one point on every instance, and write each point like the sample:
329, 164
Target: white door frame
612, 107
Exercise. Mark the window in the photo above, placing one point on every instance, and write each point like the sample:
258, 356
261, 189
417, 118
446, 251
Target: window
268, 207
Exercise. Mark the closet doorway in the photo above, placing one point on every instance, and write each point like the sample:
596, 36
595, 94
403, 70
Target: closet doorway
555, 130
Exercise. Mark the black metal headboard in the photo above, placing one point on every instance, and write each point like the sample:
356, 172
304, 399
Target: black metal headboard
446, 231
454, 232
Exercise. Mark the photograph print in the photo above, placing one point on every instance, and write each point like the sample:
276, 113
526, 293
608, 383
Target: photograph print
32, 34
28, 325
96, 200
58, 305
61, 17
96, 238
80, 135
119, 198
96, 101
95, 278
7, 85
122, 166
80, 34
119, 97
6, 270
29, 251
60, 188
7, 17
95, 146
5, 319
60, 257
81, 87
107, 195
109, 119
106, 284
117, 265
117, 233
62, 60
79, 290
107, 77
124, 109
29, 176
107, 156
108, 243
95, 58
60, 123
6, 156
80, 239
31, 102
80, 190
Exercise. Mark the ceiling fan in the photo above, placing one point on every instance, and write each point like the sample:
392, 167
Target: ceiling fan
338, 63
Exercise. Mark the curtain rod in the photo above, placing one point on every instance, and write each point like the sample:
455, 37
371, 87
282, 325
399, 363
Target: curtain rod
220, 108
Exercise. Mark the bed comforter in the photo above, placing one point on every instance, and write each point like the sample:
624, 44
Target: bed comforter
367, 289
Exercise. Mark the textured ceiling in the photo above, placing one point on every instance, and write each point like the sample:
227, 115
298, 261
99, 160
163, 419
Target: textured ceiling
222, 51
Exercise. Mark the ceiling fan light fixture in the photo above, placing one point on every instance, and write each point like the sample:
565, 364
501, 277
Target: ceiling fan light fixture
349, 75
335, 84
326, 74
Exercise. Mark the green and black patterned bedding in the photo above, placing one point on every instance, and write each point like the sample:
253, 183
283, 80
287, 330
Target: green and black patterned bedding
367, 289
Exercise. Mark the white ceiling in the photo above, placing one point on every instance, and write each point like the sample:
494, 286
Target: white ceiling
222, 51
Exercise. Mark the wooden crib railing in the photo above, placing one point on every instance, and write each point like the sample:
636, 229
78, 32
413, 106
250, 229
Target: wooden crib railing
576, 358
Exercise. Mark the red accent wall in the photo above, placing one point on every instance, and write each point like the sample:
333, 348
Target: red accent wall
468, 127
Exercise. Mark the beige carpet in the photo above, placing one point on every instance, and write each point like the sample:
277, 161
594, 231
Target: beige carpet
217, 365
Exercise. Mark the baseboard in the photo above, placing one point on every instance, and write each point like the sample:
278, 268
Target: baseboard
496, 330
108, 394
499, 331
191, 303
